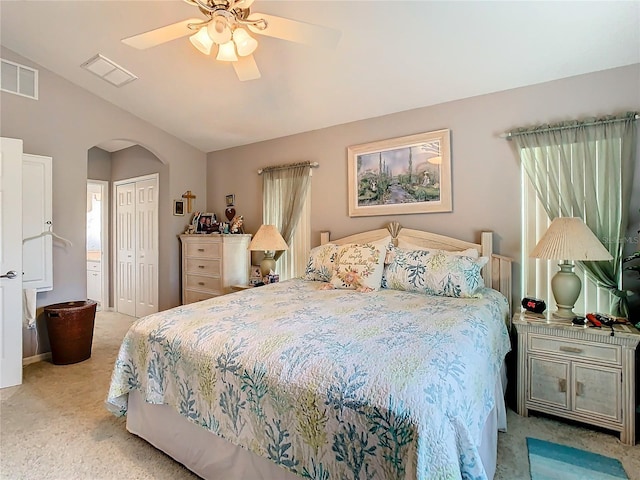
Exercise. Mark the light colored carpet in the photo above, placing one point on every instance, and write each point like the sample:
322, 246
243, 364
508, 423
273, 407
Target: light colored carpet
55, 426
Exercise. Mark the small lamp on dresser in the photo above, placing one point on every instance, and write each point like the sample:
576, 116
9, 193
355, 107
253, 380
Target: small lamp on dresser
568, 239
268, 240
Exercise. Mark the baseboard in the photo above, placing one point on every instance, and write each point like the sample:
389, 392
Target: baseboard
36, 358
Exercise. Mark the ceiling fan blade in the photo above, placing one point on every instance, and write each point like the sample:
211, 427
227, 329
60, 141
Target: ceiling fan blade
295, 31
246, 68
160, 35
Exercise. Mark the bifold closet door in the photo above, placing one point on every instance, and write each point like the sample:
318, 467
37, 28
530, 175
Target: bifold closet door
146, 247
125, 248
137, 247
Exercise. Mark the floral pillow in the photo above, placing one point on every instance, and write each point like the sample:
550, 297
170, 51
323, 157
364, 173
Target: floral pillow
433, 273
321, 263
358, 267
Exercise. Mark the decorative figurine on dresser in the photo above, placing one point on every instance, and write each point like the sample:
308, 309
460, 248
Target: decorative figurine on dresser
578, 370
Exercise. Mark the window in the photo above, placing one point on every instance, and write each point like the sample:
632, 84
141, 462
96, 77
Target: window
287, 205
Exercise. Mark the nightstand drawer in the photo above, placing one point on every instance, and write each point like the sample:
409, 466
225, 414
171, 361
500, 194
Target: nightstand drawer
198, 282
575, 349
201, 266
191, 297
209, 250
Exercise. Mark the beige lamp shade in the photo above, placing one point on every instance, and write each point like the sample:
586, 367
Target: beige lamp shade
268, 240
568, 238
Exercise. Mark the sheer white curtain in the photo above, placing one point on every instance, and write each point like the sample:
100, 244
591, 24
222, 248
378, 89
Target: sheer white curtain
287, 205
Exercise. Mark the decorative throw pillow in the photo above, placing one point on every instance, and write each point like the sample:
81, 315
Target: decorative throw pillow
358, 267
433, 273
469, 252
321, 263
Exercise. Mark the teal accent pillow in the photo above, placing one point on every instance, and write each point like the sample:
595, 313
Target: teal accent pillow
434, 272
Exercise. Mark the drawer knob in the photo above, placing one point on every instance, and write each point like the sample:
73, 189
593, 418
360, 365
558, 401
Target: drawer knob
201, 249
200, 266
562, 384
200, 283
579, 389
564, 348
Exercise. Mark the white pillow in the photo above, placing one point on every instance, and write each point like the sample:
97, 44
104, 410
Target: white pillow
358, 267
469, 252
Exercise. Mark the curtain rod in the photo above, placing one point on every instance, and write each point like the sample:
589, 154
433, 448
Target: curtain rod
290, 165
509, 135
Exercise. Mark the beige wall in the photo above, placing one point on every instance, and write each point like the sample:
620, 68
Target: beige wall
98, 164
65, 122
486, 175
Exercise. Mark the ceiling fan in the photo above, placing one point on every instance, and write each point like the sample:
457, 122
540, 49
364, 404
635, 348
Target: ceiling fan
226, 25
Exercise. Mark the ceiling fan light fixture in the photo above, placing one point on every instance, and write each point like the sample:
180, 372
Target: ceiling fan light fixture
245, 43
202, 41
227, 52
218, 30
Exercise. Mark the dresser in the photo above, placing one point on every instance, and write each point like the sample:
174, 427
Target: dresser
211, 264
577, 373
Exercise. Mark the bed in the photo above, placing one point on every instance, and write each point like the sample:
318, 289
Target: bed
300, 379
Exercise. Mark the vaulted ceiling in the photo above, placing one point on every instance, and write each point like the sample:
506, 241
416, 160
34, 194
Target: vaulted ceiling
392, 56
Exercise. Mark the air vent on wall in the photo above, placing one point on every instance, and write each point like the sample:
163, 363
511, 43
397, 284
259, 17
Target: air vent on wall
108, 70
18, 79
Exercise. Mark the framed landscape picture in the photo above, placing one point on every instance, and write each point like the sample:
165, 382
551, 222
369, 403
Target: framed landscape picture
401, 175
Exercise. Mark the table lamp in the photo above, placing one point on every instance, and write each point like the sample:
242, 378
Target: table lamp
568, 239
268, 240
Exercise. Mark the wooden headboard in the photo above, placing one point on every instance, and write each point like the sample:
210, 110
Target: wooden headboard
496, 274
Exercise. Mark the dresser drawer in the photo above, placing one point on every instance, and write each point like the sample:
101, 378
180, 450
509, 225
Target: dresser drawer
575, 349
202, 266
208, 250
211, 284
191, 296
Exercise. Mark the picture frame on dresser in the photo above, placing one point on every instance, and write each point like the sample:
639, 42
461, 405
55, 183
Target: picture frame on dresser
205, 222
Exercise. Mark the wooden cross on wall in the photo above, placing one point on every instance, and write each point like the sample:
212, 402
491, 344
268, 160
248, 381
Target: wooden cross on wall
189, 196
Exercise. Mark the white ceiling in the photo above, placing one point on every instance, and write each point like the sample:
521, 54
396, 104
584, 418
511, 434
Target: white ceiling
392, 56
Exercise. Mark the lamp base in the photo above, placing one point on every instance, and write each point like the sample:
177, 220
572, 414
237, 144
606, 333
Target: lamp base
267, 264
566, 286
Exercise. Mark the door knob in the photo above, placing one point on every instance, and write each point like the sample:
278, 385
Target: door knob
10, 274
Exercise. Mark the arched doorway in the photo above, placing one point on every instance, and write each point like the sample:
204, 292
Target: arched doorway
126, 163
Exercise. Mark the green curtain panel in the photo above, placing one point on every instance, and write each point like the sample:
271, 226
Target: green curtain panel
585, 169
284, 191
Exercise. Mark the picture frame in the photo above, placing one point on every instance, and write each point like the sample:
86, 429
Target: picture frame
205, 223
230, 199
404, 175
178, 207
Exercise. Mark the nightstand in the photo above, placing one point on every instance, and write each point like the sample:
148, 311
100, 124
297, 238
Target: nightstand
577, 373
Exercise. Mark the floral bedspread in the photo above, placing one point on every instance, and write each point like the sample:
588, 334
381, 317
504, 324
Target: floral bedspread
330, 384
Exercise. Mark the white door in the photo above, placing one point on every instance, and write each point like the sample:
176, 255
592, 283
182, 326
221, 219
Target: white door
10, 262
137, 246
146, 247
125, 249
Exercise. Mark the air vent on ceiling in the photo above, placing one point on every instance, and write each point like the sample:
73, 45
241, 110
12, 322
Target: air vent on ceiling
18, 79
109, 70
